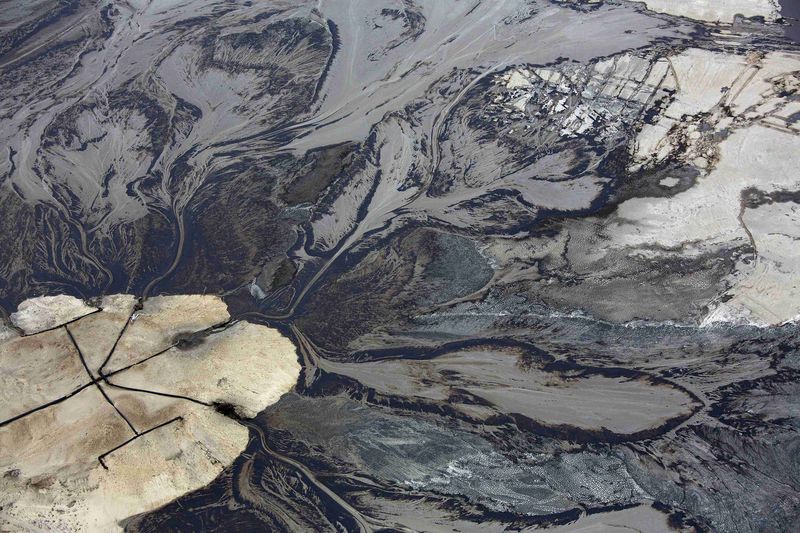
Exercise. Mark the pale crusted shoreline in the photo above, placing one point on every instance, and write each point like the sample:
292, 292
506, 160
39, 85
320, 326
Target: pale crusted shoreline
716, 10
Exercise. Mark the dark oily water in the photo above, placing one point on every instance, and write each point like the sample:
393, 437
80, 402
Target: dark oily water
790, 11
537, 259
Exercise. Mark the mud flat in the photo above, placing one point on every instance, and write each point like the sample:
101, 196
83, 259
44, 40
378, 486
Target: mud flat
639, 518
552, 397
81, 448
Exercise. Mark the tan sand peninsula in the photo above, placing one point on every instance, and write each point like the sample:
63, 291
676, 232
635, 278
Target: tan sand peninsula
114, 410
